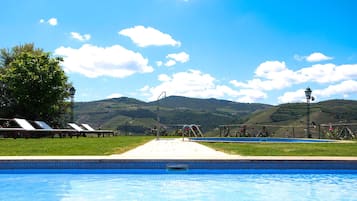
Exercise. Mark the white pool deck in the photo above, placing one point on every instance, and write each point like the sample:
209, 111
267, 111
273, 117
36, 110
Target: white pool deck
175, 149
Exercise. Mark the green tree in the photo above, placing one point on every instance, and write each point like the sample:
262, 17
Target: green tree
32, 84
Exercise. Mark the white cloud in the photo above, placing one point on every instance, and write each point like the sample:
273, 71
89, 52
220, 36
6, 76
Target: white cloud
265, 85
314, 57
170, 63
93, 61
164, 78
251, 95
274, 75
144, 37
270, 75
299, 58
317, 56
78, 36
192, 83
159, 63
326, 73
181, 57
292, 96
145, 88
269, 69
52, 21
343, 89
114, 95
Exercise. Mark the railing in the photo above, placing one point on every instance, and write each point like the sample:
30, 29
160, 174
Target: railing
326, 131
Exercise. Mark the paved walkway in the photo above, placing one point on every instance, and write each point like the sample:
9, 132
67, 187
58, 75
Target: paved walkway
173, 149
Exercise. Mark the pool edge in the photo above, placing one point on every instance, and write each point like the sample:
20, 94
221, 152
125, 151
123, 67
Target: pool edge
210, 164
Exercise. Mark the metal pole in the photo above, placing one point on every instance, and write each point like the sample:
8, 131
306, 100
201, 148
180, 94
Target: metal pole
158, 122
158, 118
72, 91
72, 108
308, 119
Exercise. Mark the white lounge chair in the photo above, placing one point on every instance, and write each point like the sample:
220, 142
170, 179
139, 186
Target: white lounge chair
86, 129
45, 130
29, 130
60, 132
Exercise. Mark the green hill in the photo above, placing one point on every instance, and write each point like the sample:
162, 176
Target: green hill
293, 115
129, 115
331, 111
133, 116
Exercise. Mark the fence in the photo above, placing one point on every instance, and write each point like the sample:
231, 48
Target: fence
328, 131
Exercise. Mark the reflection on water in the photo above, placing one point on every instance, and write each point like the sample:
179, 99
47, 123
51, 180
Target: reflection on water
77, 187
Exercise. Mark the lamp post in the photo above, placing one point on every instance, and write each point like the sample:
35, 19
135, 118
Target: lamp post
158, 118
308, 98
72, 91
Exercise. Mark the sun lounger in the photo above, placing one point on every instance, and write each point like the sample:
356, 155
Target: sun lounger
60, 132
103, 132
86, 129
8, 128
11, 132
29, 131
46, 131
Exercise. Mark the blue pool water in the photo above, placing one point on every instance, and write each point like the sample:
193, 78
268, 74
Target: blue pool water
178, 186
259, 139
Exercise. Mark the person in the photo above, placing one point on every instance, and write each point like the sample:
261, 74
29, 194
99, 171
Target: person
263, 132
226, 131
313, 124
330, 128
243, 131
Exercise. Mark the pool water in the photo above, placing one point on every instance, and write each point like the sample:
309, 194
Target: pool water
80, 187
259, 140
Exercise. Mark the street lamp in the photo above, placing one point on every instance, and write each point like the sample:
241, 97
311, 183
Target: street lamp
158, 118
308, 98
72, 91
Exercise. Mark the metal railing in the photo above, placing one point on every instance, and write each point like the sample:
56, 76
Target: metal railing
326, 131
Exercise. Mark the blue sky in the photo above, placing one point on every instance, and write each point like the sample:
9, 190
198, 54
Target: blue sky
240, 50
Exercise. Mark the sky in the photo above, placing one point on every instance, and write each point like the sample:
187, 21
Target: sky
251, 51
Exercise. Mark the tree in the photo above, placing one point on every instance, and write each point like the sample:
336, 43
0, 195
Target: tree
32, 84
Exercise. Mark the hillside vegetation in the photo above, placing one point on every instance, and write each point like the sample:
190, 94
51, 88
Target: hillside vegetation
131, 116
293, 115
332, 111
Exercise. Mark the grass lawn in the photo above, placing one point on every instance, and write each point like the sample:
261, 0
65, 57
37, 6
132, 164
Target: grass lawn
287, 149
70, 146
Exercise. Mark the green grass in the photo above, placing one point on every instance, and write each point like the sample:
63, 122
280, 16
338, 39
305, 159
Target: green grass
70, 146
120, 144
287, 149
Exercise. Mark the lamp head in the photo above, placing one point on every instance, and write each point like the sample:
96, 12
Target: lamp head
308, 93
72, 91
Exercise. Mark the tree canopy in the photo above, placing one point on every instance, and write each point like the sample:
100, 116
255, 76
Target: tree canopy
32, 84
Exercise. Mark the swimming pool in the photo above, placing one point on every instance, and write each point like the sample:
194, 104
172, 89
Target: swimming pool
129, 179
259, 140
82, 185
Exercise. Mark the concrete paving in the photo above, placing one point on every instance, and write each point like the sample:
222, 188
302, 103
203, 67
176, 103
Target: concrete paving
173, 149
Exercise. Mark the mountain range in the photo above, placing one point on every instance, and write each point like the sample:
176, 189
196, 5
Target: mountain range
132, 116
